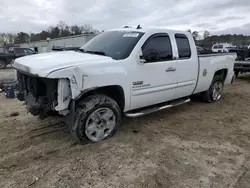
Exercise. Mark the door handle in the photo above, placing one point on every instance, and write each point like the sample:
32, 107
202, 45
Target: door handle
169, 69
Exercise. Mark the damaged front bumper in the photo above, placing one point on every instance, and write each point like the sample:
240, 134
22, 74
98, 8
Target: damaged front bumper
40, 94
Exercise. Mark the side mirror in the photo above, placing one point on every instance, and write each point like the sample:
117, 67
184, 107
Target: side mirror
150, 56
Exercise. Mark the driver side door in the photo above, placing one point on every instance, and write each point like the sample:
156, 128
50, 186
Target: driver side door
155, 80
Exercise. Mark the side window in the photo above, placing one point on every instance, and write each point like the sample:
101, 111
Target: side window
19, 51
183, 46
160, 45
28, 51
215, 47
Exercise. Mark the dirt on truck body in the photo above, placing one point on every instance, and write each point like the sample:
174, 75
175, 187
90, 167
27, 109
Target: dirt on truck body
193, 145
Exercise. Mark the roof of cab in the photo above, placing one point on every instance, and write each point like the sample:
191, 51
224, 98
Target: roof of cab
150, 30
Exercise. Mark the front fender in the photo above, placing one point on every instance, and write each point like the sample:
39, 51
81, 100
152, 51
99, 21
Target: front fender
85, 78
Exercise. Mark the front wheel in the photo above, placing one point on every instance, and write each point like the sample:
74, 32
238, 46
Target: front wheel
97, 118
214, 93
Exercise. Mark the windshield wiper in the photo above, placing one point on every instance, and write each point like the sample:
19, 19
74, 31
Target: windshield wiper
92, 52
96, 52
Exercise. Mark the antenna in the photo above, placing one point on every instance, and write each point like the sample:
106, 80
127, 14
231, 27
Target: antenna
138, 27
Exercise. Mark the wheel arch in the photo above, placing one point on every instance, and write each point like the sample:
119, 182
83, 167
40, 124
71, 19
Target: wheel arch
221, 72
115, 92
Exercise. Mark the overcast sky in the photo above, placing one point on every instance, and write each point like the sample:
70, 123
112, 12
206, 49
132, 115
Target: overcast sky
216, 16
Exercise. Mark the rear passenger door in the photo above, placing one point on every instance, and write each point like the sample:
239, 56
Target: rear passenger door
187, 65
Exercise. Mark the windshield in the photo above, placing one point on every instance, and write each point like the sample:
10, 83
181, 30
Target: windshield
115, 44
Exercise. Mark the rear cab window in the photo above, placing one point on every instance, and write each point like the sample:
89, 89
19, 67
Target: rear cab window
183, 46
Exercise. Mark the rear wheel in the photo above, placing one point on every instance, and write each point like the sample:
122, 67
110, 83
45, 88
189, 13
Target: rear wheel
2, 64
214, 93
236, 74
97, 118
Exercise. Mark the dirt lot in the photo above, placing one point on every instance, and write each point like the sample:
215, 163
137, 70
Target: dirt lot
193, 145
6, 75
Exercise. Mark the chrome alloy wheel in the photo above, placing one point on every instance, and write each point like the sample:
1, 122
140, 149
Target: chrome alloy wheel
217, 90
100, 124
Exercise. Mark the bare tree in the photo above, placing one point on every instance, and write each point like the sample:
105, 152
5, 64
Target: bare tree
7, 38
87, 28
60, 30
206, 34
75, 30
195, 34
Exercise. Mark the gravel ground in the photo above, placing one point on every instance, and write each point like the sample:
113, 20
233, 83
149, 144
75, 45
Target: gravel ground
193, 145
6, 75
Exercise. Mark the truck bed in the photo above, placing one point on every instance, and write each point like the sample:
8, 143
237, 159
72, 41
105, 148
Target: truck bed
209, 64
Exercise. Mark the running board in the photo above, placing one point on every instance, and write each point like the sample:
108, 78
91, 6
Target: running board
158, 108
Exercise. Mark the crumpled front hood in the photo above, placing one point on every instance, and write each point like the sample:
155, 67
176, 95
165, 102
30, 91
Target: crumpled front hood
45, 63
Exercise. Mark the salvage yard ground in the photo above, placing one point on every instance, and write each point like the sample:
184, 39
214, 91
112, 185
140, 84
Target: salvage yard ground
193, 145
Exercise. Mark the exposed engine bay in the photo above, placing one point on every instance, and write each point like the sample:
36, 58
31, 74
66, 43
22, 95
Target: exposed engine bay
40, 94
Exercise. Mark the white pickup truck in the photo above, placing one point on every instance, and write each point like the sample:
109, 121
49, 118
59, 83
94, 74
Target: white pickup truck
129, 72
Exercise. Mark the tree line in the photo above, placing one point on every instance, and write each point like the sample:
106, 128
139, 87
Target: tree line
59, 30
64, 30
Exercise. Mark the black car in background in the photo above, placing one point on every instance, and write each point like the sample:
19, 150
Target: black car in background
7, 55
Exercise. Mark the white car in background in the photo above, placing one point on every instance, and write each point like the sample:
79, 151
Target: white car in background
222, 47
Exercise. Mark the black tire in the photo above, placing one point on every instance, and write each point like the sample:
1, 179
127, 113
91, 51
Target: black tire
236, 74
208, 95
3, 64
85, 108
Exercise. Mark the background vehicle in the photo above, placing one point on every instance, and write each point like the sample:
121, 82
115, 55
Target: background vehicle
128, 71
222, 47
241, 66
7, 55
242, 61
201, 50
